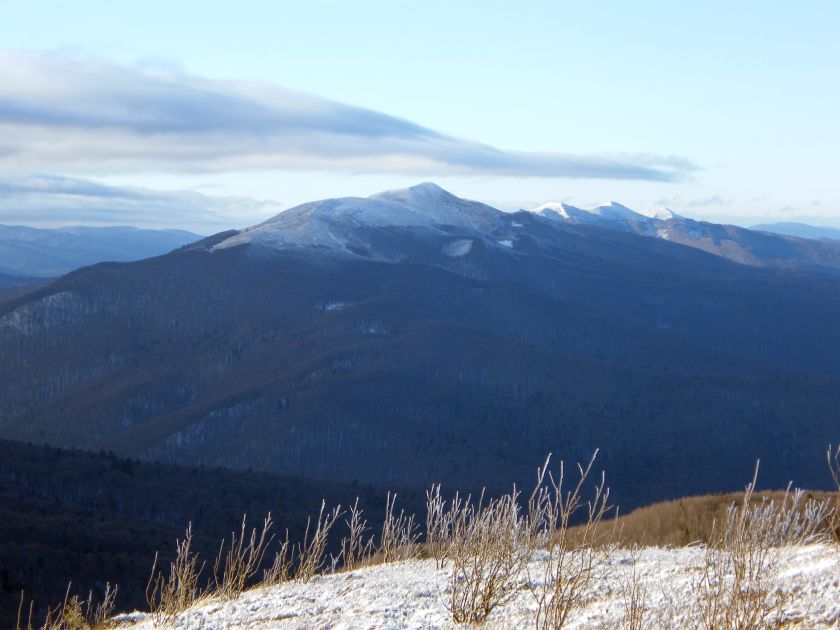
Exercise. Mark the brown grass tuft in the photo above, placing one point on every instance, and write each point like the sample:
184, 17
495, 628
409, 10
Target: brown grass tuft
167, 595
232, 571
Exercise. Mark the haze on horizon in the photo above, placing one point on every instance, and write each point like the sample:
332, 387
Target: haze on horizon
205, 118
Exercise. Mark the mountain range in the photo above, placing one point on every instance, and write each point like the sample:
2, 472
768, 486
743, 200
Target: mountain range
775, 245
42, 253
414, 337
330, 224
801, 230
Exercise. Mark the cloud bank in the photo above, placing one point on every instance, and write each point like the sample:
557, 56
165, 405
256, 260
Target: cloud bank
49, 200
74, 115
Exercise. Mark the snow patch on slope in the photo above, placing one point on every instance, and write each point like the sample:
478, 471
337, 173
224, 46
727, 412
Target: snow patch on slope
613, 211
461, 247
413, 594
663, 214
557, 210
610, 212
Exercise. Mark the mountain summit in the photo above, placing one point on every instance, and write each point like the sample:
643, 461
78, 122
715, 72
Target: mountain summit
346, 224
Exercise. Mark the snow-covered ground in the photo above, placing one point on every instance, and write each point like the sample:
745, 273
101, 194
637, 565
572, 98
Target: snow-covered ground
413, 594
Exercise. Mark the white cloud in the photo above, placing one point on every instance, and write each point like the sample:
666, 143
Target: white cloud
74, 115
50, 200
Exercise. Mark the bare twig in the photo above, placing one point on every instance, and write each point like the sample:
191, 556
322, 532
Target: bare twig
489, 548
400, 534
570, 564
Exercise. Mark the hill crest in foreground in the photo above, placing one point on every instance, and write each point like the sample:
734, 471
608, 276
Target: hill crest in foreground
413, 594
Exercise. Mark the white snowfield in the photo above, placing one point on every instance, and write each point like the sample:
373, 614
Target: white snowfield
414, 594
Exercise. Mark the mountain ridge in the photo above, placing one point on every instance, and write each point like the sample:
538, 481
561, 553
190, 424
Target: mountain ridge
756, 247
346, 226
802, 230
51, 252
408, 354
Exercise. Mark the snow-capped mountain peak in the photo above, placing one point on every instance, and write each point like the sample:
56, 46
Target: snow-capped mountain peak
337, 223
440, 207
613, 210
345, 224
423, 193
425, 221
609, 212
557, 209
663, 214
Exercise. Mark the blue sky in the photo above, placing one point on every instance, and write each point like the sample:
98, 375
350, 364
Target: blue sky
724, 111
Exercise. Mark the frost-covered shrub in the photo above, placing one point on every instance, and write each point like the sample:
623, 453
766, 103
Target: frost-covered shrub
489, 549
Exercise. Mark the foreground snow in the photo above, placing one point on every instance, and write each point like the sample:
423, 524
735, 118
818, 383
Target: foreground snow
414, 594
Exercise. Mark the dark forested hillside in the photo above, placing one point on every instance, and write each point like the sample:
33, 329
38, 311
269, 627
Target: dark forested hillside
91, 518
13, 287
436, 355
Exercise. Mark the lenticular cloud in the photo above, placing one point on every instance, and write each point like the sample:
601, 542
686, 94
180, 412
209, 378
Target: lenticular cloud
66, 114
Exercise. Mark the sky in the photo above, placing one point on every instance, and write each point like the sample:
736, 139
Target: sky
211, 115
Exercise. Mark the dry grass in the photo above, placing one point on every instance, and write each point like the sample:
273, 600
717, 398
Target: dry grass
281, 567
73, 613
400, 534
833, 460
633, 597
356, 548
311, 553
739, 587
167, 595
234, 569
490, 543
444, 525
438, 526
687, 520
